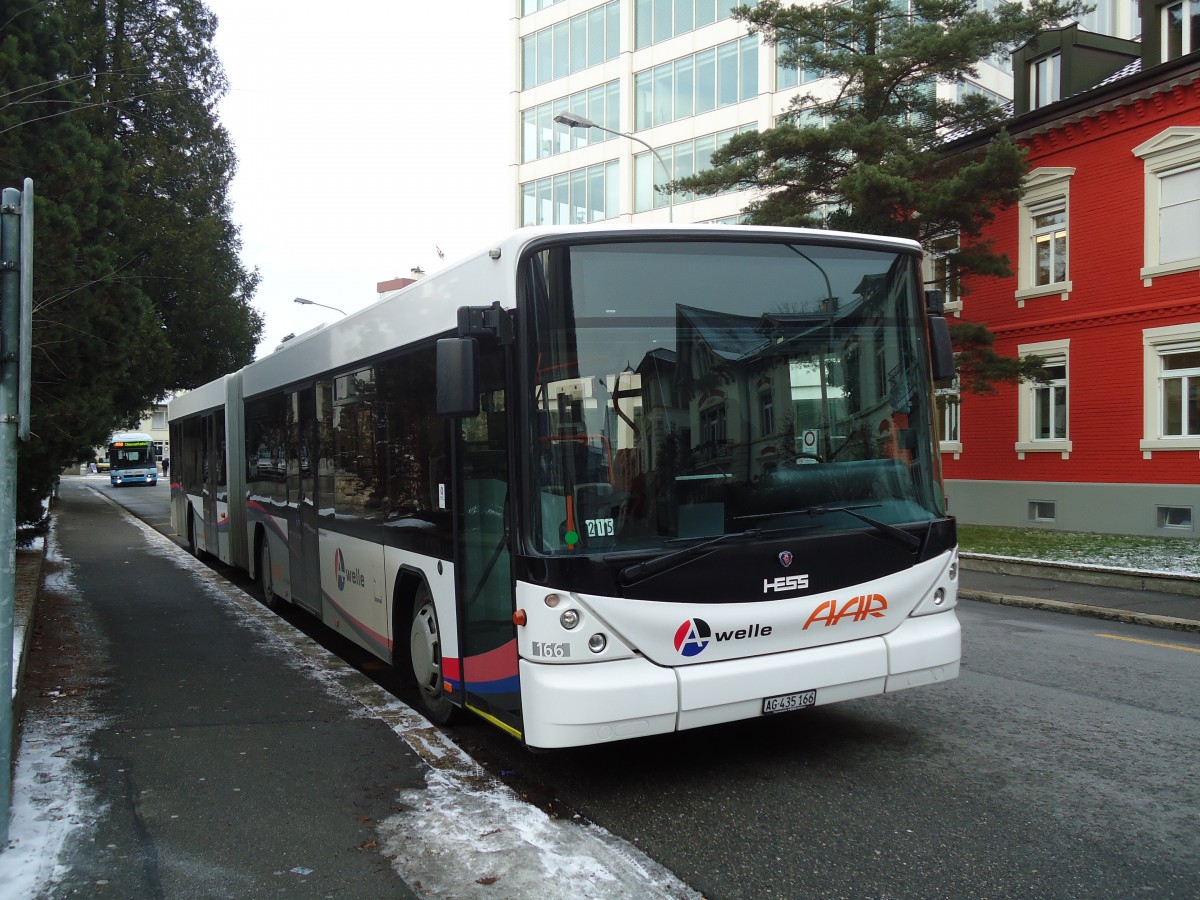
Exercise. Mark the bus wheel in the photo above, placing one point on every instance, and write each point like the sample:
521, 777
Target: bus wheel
266, 576
425, 646
191, 535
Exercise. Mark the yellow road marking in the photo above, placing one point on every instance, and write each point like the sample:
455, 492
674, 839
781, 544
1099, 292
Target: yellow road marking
1117, 637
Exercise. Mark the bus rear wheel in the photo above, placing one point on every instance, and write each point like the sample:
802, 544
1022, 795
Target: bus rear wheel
425, 653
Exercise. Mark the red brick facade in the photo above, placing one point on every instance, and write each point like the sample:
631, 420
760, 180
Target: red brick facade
1101, 318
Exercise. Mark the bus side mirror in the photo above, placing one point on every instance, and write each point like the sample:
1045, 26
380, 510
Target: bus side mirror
457, 377
940, 348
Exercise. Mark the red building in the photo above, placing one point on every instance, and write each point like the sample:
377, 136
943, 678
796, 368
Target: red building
1105, 249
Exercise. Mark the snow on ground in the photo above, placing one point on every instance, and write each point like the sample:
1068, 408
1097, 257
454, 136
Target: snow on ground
50, 798
466, 835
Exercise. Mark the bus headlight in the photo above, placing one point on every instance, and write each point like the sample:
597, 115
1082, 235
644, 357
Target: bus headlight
597, 643
569, 619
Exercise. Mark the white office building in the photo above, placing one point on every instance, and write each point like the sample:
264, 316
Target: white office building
677, 78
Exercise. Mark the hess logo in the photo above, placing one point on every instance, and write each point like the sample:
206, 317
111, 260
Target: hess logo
785, 583
856, 610
354, 576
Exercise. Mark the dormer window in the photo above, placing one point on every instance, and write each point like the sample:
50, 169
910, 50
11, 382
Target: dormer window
1045, 79
1180, 28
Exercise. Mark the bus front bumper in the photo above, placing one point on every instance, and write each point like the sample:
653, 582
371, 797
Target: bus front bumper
569, 705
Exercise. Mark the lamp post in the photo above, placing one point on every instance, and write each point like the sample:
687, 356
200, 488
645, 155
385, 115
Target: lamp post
304, 302
582, 122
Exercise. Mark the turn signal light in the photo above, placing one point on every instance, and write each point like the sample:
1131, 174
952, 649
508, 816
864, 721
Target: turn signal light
519, 617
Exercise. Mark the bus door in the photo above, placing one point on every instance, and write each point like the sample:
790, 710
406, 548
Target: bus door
303, 561
485, 586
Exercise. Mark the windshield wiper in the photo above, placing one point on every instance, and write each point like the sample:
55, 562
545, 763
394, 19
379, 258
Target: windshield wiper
899, 535
640, 571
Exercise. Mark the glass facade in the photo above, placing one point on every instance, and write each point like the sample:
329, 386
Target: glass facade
680, 160
541, 136
720, 76
572, 198
661, 20
572, 45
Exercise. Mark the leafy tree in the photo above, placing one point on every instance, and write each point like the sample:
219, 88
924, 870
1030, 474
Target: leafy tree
868, 157
138, 288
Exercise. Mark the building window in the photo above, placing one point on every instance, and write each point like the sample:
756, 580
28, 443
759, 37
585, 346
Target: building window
720, 76
1050, 243
1180, 391
1180, 29
1043, 411
1044, 247
1042, 511
1171, 403
1171, 166
1044, 81
572, 198
949, 402
680, 160
1174, 518
528, 7
766, 413
541, 136
661, 20
1050, 403
572, 45
940, 274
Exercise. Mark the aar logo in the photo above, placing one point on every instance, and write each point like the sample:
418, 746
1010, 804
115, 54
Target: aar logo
692, 637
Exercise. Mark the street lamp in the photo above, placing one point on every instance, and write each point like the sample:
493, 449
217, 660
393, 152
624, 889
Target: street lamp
572, 121
304, 302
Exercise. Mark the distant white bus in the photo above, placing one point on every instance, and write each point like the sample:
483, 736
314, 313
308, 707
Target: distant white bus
131, 459
602, 482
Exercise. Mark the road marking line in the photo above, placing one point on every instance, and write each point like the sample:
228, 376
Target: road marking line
1117, 637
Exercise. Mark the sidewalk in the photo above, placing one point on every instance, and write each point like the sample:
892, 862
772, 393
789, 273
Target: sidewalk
1119, 598
182, 741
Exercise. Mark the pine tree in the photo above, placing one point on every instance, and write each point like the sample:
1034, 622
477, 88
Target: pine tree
138, 289
868, 157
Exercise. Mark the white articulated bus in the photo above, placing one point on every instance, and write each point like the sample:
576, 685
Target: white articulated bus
605, 481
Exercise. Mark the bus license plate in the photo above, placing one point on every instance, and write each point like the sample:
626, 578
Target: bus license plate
789, 702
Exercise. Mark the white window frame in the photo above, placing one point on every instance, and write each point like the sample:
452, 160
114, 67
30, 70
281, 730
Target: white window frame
937, 270
950, 432
1172, 150
1026, 403
1155, 342
1185, 11
1043, 187
1045, 80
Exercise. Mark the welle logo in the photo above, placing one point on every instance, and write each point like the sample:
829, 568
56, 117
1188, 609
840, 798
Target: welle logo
694, 635
344, 574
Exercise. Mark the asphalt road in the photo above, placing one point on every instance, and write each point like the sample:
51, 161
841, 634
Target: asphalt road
1062, 763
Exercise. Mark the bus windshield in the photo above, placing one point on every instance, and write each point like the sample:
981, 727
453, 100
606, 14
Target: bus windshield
130, 454
683, 390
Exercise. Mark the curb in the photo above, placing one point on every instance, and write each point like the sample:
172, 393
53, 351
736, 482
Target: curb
30, 565
1081, 609
1134, 579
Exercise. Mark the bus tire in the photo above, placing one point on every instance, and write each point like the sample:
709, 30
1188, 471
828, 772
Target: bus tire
193, 548
425, 655
266, 577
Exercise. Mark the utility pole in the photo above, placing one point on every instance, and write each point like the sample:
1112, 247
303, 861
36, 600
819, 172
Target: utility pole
16, 344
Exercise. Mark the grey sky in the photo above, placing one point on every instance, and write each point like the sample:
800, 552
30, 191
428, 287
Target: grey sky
368, 133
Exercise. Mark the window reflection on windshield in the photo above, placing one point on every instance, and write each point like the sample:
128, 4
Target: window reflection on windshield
680, 388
